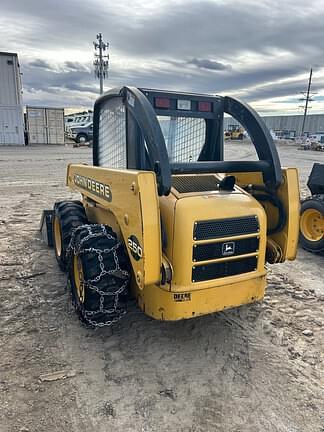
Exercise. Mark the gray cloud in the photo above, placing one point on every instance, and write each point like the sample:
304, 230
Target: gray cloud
39, 63
205, 46
209, 64
76, 66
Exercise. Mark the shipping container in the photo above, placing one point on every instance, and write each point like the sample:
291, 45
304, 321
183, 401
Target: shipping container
11, 110
45, 125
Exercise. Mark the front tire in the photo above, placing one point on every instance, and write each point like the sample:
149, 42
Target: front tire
81, 138
312, 224
98, 275
67, 216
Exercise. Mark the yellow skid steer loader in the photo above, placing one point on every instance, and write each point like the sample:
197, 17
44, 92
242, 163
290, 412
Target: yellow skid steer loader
164, 216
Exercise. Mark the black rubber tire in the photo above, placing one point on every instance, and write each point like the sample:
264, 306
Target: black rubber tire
70, 215
107, 284
81, 135
315, 202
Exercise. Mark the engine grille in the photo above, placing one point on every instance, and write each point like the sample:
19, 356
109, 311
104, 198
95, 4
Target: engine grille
212, 229
223, 269
204, 252
186, 184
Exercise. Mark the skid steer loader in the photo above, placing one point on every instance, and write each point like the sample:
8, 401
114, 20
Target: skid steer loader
312, 213
163, 214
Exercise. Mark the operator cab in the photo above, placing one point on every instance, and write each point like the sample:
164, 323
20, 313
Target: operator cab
176, 133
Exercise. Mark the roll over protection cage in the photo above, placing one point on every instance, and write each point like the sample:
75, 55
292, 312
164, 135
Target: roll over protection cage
146, 148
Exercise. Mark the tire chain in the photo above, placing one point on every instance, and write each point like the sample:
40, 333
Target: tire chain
76, 248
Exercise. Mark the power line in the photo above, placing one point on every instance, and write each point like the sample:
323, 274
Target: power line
101, 60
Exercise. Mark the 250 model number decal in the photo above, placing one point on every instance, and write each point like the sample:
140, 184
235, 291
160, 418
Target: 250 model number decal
135, 247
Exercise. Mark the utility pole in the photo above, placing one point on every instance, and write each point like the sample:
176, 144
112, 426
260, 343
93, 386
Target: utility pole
101, 61
307, 98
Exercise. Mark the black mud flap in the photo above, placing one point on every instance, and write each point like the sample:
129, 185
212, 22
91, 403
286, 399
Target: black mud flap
46, 226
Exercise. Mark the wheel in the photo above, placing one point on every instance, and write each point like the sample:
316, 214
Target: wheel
312, 224
67, 216
81, 138
98, 275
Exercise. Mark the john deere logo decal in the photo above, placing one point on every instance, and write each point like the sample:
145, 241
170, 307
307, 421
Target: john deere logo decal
100, 189
228, 248
182, 297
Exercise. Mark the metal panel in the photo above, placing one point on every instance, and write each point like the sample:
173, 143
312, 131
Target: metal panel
10, 83
45, 125
11, 126
36, 125
55, 125
11, 113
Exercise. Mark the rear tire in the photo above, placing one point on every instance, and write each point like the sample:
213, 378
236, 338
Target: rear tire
312, 224
98, 275
68, 215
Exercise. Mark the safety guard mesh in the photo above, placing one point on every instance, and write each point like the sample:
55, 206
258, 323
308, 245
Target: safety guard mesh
210, 229
112, 135
184, 137
195, 183
223, 269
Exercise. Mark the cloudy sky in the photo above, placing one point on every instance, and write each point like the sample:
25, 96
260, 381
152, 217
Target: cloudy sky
258, 50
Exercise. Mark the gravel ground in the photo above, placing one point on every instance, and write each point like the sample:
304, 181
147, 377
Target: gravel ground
255, 368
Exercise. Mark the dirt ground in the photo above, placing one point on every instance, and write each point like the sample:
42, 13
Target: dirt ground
255, 368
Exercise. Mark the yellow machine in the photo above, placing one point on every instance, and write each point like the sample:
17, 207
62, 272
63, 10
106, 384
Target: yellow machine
162, 213
234, 132
312, 213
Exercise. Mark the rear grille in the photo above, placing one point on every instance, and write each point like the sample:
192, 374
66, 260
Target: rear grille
212, 229
187, 184
223, 269
204, 252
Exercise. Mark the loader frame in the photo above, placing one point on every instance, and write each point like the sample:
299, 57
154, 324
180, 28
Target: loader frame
142, 124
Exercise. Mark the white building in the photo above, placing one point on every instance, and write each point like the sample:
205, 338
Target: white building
288, 125
11, 109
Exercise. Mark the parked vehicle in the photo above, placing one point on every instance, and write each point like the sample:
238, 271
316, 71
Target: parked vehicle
81, 133
68, 120
309, 143
285, 134
77, 120
318, 136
